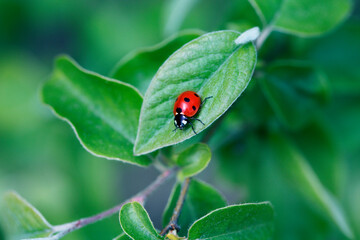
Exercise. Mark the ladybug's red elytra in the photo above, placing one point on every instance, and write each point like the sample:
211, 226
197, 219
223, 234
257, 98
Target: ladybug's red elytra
186, 106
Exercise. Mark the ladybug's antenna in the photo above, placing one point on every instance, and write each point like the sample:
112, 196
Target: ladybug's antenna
174, 129
203, 102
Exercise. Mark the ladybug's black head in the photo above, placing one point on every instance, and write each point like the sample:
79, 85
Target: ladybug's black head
180, 121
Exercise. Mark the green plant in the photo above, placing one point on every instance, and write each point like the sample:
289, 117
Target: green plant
112, 119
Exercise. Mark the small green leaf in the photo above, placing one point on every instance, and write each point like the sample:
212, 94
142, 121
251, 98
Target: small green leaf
103, 112
300, 173
193, 160
295, 90
303, 18
21, 220
245, 221
139, 67
211, 65
201, 198
136, 223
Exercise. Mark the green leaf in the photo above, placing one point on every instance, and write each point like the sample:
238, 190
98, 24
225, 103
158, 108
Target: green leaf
295, 90
245, 221
300, 173
302, 18
103, 112
22, 220
193, 160
211, 65
200, 199
139, 67
136, 223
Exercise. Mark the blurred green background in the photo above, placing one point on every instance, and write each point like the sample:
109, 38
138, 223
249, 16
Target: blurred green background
42, 160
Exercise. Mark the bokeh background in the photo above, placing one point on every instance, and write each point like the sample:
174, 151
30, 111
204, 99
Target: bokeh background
42, 160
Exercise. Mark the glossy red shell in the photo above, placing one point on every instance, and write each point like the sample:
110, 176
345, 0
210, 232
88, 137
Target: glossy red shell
189, 102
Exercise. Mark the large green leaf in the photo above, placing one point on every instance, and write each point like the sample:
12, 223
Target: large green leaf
295, 90
136, 223
300, 173
211, 65
304, 17
193, 160
139, 67
245, 221
201, 198
22, 220
103, 112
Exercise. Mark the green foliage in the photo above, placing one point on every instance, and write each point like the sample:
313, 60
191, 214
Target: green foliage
296, 82
200, 200
244, 221
139, 67
305, 89
206, 65
136, 223
343, 74
175, 12
22, 220
103, 112
303, 18
299, 172
193, 160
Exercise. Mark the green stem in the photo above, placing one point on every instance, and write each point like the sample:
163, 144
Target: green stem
263, 36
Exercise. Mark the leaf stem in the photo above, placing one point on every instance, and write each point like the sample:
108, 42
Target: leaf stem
159, 165
66, 228
263, 36
172, 225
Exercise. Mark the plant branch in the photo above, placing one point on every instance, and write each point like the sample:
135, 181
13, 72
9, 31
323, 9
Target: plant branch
66, 228
172, 225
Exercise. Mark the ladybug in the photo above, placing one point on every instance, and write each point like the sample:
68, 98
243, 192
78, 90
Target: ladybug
186, 106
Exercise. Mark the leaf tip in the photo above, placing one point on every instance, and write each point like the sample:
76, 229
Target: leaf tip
248, 36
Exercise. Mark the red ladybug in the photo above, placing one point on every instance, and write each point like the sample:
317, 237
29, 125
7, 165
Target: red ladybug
185, 108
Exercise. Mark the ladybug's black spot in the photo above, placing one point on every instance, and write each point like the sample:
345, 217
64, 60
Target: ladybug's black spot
187, 99
194, 108
178, 110
196, 95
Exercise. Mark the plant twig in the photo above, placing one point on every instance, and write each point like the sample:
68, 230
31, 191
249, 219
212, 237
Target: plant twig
62, 230
172, 225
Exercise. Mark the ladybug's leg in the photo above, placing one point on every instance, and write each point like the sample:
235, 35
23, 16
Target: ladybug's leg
203, 102
174, 129
192, 126
198, 120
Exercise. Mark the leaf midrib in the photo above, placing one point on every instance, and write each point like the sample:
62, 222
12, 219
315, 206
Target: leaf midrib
144, 221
